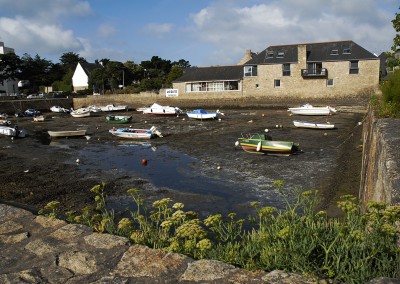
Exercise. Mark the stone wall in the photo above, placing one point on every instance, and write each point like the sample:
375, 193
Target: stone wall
36, 249
380, 176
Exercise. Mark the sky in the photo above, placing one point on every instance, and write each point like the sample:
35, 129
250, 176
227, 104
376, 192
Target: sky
203, 32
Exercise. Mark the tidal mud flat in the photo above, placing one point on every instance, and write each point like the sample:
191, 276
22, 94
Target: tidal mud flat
196, 162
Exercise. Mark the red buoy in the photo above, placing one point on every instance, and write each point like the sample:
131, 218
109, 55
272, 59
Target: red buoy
144, 162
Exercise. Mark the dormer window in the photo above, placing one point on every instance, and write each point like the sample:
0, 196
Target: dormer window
334, 52
281, 54
347, 51
270, 54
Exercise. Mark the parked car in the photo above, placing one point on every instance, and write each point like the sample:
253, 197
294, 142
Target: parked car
35, 96
31, 112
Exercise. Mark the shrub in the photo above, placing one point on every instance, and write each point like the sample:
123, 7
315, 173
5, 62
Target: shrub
353, 249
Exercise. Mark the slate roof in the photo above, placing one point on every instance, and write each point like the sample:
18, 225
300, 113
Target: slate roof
211, 73
89, 67
316, 52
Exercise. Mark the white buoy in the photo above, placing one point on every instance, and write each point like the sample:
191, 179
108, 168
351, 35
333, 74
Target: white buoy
183, 118
266, 130
237, 143
359, 123
325, 134
219, 119
277, 126
218, 168
78, 161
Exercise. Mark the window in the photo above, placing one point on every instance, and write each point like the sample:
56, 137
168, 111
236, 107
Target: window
347, 51
270, 54
250, 71
314, 68
217, 86
281, 54
353, 67
257, 86
334, 52
286, 69
329, 82
277, 83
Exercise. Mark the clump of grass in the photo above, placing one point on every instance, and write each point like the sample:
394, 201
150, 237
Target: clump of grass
353, 249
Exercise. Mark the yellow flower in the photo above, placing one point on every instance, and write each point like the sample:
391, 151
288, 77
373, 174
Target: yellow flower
124, 223
204, 244
178, 205
212, 220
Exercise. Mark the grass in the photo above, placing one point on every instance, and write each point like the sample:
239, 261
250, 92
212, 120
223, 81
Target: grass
355, 248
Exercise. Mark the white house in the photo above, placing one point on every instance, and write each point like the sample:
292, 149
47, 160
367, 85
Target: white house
8, 87
80, 79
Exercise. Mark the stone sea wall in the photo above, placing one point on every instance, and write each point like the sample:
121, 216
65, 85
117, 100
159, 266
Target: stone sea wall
380, 176
37, 249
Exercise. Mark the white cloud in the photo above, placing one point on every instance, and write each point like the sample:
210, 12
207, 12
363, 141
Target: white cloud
232, 31
106, 30
24, 35
158, 29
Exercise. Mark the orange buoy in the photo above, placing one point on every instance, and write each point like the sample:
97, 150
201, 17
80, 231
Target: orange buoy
144, 162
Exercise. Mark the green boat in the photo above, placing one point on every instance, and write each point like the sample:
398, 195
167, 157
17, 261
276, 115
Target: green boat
260, 143
118, 119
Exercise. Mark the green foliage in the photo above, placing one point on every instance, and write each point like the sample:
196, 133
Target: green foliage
353, 249
396, 26
389, 104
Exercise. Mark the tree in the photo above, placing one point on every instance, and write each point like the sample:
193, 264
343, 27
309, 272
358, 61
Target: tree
69, 61
396, 26
175, 73
37, 70
9, 66
182, 63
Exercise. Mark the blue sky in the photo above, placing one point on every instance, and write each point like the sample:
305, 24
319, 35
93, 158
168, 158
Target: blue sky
203, 32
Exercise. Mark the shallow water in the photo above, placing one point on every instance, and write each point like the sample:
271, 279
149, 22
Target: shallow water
177, 172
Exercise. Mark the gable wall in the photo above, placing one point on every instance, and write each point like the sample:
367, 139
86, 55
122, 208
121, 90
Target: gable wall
79, 79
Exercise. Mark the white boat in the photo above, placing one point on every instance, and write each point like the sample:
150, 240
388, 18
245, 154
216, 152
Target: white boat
202, 114
156, 109
308, 109
81, 112
58, 109
39, 118
94, 108
12, 131
67, 133
315, 125
113, 107
136, 133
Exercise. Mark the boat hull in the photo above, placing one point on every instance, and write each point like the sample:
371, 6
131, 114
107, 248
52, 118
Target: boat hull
67, 133
259, 144
305, 124
80, 113
308, 109
131, 133
12, 131
159, 110
201, 114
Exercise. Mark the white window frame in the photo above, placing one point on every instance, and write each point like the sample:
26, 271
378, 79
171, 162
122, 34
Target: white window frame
277, 83
250, 71
328, 82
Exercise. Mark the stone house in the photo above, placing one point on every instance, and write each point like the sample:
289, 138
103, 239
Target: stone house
309, 70
80, 79
9, 86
